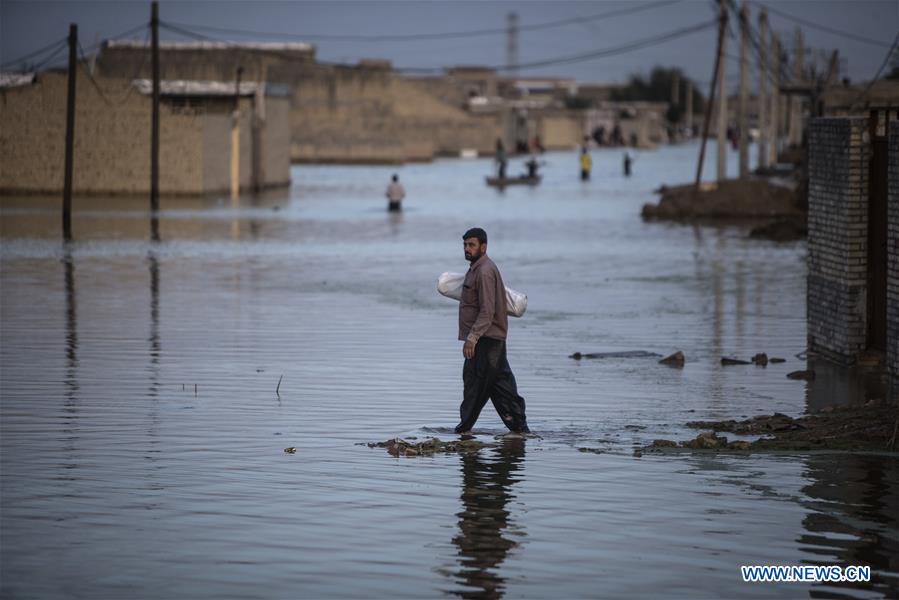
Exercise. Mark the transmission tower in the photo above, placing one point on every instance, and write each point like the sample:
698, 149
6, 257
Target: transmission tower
512, 44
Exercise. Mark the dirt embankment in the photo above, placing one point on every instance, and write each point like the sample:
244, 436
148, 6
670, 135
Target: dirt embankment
872, 427
734, 199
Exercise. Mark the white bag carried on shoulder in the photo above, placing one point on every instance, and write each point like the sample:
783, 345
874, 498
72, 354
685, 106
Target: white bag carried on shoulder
450, 285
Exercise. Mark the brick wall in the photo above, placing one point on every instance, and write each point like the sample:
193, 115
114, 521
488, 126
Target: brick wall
893, 252
839, 154
112, 141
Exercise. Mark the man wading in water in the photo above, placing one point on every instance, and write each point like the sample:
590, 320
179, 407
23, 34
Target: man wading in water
483, 324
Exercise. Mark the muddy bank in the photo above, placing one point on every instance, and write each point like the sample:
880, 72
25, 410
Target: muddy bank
749, 199
872, 427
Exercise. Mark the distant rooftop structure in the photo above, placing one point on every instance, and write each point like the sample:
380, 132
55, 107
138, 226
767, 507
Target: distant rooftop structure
11, 80
185, 88
210, 45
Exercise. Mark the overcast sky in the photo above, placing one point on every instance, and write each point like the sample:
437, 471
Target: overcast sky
27, 26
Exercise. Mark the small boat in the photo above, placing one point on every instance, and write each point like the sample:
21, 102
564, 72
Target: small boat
523, 180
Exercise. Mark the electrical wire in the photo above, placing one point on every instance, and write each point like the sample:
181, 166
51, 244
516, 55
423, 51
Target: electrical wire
430, 36
54, 46
886, 60
845, 34
629, 47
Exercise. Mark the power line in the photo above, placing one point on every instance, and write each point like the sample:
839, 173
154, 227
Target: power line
636, 45
63, 42
886, 59
54, 46
429, 36
845, 34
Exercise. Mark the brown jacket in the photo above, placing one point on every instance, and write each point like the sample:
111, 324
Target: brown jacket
482, 310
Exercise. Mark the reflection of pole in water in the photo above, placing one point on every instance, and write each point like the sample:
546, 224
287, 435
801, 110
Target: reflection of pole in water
741, 301
486, 492
717, 268
155, 347
70, 405
858, 527
71, 327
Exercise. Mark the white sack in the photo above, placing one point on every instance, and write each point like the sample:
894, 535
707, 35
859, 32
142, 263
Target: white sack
450, 285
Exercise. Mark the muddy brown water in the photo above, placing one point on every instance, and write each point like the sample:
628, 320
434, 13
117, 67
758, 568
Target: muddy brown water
142, 438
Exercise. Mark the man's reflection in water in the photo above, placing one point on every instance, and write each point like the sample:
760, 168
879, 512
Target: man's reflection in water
395, 219
487, 479
853, 519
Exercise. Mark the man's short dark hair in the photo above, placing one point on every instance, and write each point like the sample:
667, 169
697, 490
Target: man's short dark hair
476, 232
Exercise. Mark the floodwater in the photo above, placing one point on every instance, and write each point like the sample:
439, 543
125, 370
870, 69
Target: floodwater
149, 390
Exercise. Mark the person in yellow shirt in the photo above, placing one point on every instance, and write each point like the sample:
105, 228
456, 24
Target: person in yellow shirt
586, 164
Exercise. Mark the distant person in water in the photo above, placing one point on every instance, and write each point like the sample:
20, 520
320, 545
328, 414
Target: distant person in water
395, 194
483, 323
627, 164
532, 165
501, 159
586, 164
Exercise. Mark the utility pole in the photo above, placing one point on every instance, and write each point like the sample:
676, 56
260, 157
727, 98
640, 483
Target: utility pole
719, 58
70, 135
722, 102
689, 107
775, 101
675, 89
763, 90
154, 135
743, 107
796, 101
235, 141
512, 44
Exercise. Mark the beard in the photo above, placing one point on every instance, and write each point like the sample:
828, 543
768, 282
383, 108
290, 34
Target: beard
471, 257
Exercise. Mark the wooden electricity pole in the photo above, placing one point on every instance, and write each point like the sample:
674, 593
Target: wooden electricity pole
154, 134
776, 115
722, 104
722, 28
763, 90
235, 140
70, 135
743, 106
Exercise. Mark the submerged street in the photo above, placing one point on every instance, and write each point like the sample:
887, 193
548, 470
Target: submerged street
142, 435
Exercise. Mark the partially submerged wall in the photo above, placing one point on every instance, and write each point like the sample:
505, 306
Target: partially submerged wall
893, 252
839, 154
367, 113
112, 140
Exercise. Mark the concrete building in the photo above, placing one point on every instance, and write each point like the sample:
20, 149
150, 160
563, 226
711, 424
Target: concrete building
112, 136
853, 239
361, 113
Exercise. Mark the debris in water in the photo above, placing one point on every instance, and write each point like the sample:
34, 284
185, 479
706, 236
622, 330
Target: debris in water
806, 375
290, 450
622, 354
674, 360
725, 361
401, 447
592, 450
760, 359
871, 427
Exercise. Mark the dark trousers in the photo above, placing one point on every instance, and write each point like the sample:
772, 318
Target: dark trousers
487, 375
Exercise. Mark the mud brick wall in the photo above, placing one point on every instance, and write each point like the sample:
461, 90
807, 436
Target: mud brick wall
893, 252
839, 152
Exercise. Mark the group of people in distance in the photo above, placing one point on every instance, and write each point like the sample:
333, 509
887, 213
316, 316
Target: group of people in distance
396, 192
